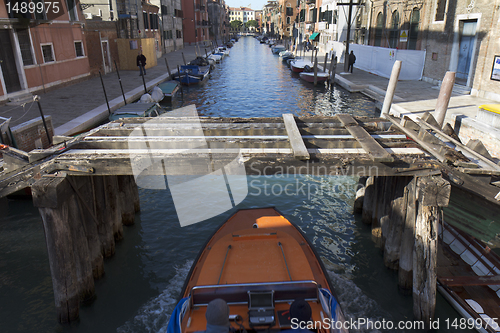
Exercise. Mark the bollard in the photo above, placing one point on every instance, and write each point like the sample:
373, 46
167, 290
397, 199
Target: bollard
391, 87
444, 97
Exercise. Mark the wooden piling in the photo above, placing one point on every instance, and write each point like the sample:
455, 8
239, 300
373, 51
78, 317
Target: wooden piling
127, 200
444, 97
391, 88
396, 221
405, 271
315, 70
104, 227
114, 206
367, 212
67, 246
183, 58
168, 69
326, 61
82, 185
433, 193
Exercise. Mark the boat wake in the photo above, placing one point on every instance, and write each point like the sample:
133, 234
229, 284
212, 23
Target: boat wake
356, 304
155, 314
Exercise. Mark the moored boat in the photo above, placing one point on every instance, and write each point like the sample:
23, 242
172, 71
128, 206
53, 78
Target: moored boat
191, 74
309, 76
259, 263
298, 65
469, 278
135, 110
276, 49
169, 89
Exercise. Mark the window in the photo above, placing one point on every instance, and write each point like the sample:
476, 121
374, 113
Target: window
289, 11
79, 49
413, 33
25, 45
394, 37
288, 20
146, 21
179, 33
164, 10
440, 10
379, 29
152, 21
48, 53
72, 10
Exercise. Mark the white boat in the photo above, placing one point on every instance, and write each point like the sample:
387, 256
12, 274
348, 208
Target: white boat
215, 57
468, 277
298, 65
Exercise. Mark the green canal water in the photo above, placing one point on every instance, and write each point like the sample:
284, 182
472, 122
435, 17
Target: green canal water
144, 277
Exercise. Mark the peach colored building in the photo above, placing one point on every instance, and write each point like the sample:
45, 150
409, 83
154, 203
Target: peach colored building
40, 47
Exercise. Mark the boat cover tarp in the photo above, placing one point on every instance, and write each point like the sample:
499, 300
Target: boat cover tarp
174, 324
314, 36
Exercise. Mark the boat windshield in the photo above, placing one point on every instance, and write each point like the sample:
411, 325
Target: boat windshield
238, 293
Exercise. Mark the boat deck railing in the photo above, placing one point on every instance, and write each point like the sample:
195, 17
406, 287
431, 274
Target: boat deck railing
238, 293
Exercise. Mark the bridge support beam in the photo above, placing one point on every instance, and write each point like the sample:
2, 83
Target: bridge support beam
404, 213
82, 218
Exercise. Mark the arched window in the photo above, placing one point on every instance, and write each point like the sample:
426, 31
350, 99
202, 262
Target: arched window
394, 37
379, 29
413, 33
288, 20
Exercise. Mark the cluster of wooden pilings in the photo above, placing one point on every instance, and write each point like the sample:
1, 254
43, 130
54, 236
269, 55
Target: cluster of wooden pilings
404, 212
83, 217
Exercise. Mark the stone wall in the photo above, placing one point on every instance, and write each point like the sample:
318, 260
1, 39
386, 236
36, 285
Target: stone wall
31, 134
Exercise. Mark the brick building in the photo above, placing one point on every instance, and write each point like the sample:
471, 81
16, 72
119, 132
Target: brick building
195, 22
40, 49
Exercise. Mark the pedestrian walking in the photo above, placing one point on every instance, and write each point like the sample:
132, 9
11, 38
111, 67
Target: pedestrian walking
141, 63
352, 60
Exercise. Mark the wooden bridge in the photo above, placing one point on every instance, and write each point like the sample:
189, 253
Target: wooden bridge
83, 186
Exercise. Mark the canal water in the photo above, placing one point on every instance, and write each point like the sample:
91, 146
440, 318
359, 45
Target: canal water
144, 277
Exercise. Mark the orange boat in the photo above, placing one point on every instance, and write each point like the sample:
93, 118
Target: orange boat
259, 263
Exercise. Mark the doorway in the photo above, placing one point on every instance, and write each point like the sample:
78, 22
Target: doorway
465, 53
106, 59
8, 62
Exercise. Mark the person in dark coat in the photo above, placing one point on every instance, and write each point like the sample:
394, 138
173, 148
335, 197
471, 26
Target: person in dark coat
300, 316
141, 63
352, 60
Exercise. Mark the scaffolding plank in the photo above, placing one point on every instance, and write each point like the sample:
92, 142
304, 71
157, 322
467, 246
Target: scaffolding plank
376, 152
299, 148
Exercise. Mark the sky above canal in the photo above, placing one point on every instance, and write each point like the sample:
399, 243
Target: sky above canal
254, 4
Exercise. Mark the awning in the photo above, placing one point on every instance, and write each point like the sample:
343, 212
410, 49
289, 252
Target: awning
314, 36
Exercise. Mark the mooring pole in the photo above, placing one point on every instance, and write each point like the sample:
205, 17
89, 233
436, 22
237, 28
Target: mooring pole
120, 80
183, 58
168, 69
206, 53
391, 87
326, 60
444, 97
105, 95
315, 69
144, 83
180, 79
37, 99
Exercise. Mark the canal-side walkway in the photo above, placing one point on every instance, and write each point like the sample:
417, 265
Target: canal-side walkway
77, 106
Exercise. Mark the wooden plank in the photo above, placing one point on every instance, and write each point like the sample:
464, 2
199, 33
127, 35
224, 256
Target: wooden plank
457, 281
458, 144
299, 148
376, 152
